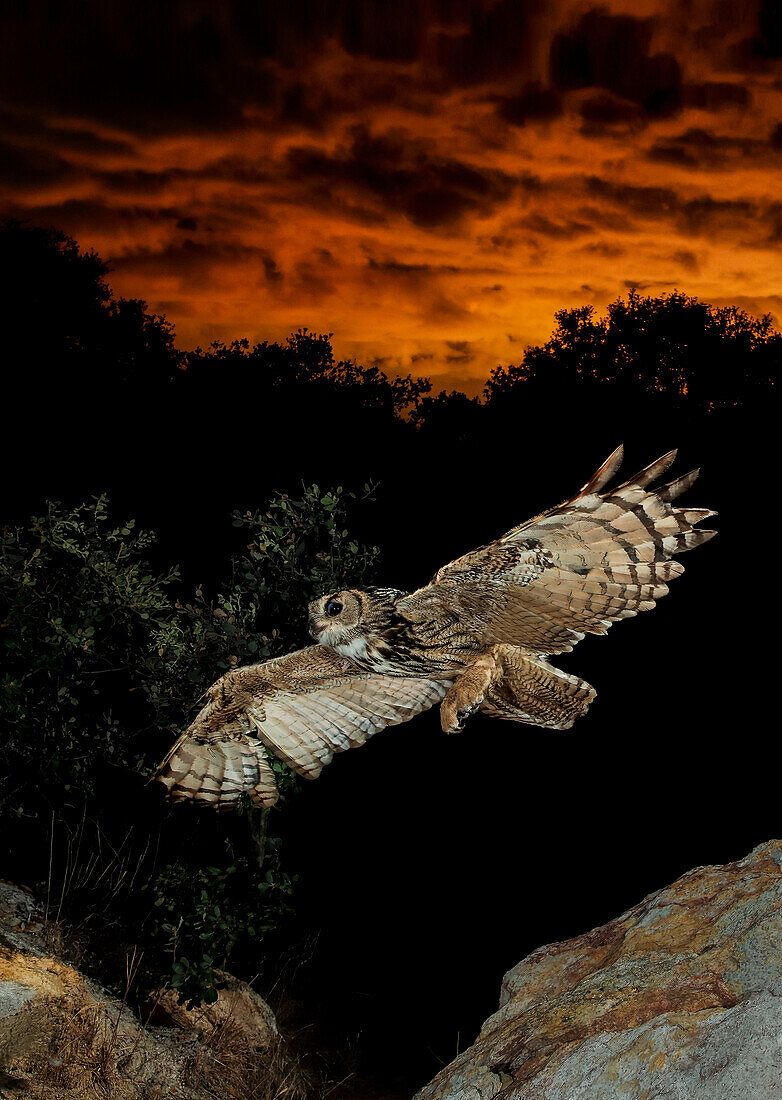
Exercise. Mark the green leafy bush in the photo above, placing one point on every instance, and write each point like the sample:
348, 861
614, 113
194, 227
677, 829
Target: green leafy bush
203, 916
105, 656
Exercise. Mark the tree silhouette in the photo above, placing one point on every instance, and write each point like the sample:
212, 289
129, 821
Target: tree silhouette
673, 346
62, 325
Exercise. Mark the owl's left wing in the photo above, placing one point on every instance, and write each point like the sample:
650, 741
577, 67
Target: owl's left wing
576, 569
301, 708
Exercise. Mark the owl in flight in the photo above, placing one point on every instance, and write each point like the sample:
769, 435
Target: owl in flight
477, 638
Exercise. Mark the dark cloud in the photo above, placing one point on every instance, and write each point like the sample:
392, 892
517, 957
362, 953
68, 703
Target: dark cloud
27, 127
765, 43
640, 284
271, 271
686, 259
460, 351
699, 148
607, 217
383, 31
400, 171
768, 41
705, 214
397, 267
498, 242
603, 248
650, 202
148, 67
670, 152
233, 169
534, 104
709, 215
24, 167
228, 65
564, 229
87, 216
144, 66
415, 271
312, 279
438, 309
714, 95
137, 181
606, 110
247, 170
194, 263
479, 42
773, 224
612, 52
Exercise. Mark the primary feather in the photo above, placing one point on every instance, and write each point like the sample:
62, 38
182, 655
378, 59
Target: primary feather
300, 709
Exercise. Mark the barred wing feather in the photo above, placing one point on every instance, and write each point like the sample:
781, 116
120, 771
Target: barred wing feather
576, 569
300, 709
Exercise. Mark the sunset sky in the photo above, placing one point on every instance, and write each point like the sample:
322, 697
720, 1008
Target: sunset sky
427, 179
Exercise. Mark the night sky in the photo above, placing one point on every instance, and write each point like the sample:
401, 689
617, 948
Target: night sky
429, 181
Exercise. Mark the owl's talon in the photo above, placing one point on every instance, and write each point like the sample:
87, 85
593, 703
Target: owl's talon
456, 723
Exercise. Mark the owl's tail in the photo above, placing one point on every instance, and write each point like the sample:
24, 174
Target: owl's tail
217, 773
528, 689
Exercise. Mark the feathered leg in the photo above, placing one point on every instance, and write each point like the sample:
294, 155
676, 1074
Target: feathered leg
510, 682
469, 691
530, 690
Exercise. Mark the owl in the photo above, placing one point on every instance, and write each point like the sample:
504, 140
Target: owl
478, 637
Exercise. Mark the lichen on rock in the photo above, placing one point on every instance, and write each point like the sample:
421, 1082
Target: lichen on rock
680, 998
63, 1035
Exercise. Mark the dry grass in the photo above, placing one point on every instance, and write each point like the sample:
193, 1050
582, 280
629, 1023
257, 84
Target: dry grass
83, 1053
225, 1065
87, 1051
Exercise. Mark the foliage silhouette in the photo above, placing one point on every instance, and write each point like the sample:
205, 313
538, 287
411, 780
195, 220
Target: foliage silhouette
673, 346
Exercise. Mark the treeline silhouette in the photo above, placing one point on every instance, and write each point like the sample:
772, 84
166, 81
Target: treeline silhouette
99, 397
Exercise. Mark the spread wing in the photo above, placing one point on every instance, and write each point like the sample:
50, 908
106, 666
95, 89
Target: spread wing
578, 568
301, 709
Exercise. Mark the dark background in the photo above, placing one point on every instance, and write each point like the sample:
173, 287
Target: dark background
430, 864
435, 863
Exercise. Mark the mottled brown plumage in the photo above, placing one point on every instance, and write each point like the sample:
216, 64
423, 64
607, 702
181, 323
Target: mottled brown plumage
478, 637
574, 570
301, 709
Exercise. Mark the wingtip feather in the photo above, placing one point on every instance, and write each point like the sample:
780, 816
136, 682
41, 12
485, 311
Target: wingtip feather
649, 473
603, 475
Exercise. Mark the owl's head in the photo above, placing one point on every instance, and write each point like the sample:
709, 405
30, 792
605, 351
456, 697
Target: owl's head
345, 620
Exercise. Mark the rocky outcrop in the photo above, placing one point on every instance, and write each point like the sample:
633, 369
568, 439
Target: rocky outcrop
678, 999
62, 1035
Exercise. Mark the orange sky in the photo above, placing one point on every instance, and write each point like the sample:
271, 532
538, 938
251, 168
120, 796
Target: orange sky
429, 187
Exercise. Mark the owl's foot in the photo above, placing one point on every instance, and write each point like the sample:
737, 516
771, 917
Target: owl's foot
467, 694
453, 718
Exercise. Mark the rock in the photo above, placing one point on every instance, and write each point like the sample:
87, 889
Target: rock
680, 998
63, 1036
237, 1007
21, 924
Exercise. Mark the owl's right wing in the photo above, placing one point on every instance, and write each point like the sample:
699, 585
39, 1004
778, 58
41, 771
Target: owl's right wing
301, 708
599, 557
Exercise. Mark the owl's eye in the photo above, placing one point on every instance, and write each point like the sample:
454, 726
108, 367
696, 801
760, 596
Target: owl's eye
333, 607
